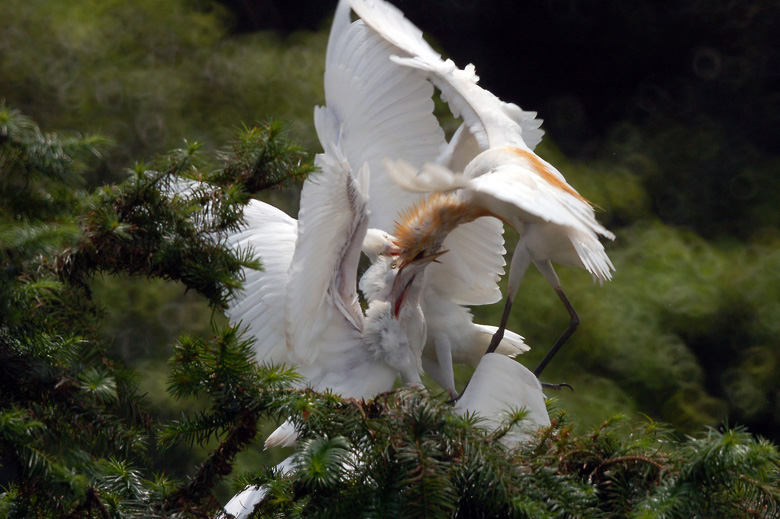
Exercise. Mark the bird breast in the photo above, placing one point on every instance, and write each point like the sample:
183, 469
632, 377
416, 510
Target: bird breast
384, 335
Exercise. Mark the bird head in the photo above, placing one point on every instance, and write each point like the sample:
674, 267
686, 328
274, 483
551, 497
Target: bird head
377, 243
425, 225
406, 276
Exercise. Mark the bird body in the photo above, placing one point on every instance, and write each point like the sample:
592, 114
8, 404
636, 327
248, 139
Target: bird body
306, 311
554, 222
497, 170
452, 336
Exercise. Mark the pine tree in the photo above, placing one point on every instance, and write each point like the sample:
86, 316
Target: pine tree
76, 438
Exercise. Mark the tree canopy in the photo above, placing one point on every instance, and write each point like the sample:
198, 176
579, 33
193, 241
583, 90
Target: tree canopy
105, 277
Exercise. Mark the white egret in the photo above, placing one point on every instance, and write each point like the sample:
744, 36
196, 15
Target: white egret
303, 306
497, 172
453, 337
376, 108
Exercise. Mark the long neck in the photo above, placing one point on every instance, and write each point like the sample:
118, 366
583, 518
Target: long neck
426, 224
377, 280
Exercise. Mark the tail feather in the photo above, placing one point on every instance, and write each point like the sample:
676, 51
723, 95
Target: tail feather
511, 345
284, 436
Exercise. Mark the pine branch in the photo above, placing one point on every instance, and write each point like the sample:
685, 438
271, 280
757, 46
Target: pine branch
91, 501
197, 494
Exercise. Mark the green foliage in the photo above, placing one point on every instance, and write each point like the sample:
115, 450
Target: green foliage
146, 73
406, 455
75, 434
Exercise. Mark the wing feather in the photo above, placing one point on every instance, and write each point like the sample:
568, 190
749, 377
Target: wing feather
376, 109
491, 121
470, 275
332, 222
271, 235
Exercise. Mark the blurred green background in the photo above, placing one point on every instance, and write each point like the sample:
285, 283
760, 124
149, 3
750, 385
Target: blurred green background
664, 114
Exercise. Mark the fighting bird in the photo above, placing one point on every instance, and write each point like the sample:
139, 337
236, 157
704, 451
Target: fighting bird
490, 168
303, 307
376, 108
453, 337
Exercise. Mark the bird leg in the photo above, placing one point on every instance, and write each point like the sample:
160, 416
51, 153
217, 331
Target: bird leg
444, 358
573, 323
556, 387
496, 340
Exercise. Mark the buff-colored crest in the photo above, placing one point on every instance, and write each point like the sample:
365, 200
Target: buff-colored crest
425, 224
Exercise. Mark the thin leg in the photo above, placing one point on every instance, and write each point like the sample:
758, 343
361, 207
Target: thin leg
496, 340
444, 357
573, 323
521, 259
556, 387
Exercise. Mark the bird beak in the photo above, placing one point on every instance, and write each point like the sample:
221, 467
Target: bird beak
431, 258
406, 276
391, 249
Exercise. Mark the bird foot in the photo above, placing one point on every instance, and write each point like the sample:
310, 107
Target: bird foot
557, 387
454, 397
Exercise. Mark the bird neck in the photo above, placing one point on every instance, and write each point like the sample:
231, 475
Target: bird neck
425, 224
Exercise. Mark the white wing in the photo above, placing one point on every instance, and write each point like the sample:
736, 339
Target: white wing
377, 109
533, 187
332, 222
470, 272
491, 121
499, 385
271, 234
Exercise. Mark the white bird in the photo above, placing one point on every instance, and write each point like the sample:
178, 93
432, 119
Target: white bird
554, 222
453, 337
521, 390
376, 108
491, 166
303, 307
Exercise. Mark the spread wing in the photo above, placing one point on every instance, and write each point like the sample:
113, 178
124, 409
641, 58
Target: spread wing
375, 109
378, 109
490, 121
322, 307
271, 235
500, 385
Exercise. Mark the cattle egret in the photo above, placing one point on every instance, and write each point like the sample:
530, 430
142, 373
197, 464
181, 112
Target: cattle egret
376, 108
497, 172
453, 337
303, 306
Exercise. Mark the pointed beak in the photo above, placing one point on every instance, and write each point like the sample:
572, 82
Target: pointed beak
391, 249
406, 276
423, 261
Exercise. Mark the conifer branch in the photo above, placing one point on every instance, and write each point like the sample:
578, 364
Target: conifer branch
198, 492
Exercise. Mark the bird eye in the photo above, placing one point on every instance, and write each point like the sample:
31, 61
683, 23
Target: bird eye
394, 265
